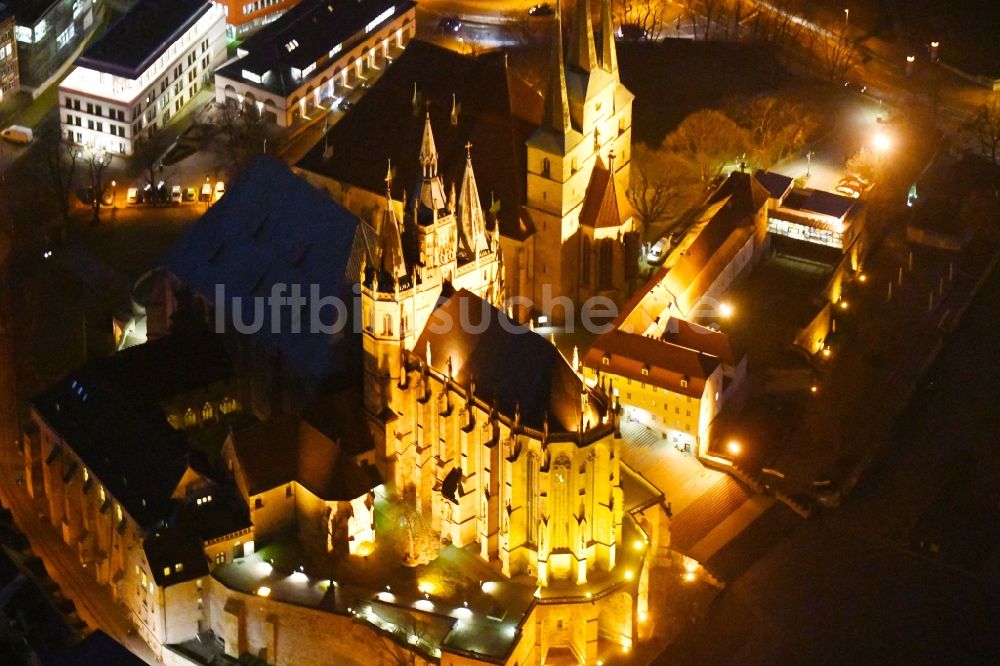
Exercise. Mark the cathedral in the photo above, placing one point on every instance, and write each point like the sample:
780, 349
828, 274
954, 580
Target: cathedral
585, 243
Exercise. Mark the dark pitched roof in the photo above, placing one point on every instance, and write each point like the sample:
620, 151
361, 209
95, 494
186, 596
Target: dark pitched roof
748, 194
167, 550
518, 370
320, 457
303, 35
818, 201
106, 411
225, 514
600, 204
776, 184
497, 113
273, 228
142, 35
666, 364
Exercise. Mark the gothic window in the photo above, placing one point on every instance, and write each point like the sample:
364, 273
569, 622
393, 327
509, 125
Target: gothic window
386, 324
546, 167
605, 265
531, 498
560, 504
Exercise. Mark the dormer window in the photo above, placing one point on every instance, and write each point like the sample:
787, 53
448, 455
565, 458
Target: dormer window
606, 360
645, 371
203, 500
166, 571
179, 567
684, 382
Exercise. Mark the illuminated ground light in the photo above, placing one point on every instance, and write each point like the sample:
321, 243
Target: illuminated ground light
264, 568
463, 613
725, 310
426, 587
589, 595
629, 574
298, 577
843, 304
826, 352
490, 586
734, 448
365, 548
814, 389
263, 591
690, 577
424, 605
862, 278
639, 544
690, 565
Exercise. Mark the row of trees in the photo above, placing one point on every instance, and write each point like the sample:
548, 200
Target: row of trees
758, 132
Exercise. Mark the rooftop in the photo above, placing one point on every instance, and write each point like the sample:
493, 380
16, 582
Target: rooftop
495, 111
666, 365
480, 343
141, 35
174, 557
819, 202
306, 34
776, 184
107, 413
273, 228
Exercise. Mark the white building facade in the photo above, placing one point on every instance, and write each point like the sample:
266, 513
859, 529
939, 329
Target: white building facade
103, 109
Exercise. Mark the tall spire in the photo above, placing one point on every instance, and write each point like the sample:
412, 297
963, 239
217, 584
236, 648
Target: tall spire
581, 39
471, 221
428, 151
609, 54
389, 250
556, 113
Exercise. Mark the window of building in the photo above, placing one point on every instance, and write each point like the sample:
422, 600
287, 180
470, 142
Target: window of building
220, 558
645, 371
288, 490
166, 571
179, 567
258, 503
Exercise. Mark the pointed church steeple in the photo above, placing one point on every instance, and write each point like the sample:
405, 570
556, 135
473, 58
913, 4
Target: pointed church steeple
581, 39
389, 251
555, 116
609, 53
428, 151
471, 221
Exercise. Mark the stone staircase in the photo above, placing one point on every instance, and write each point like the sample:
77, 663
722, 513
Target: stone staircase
696, 520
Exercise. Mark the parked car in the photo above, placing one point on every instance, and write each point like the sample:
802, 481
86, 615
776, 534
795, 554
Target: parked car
220, 191
132, 196
847, 191
18, 134
190, 194
632, 32
175, 194
658, 253
541, 9
206, 193
449, 24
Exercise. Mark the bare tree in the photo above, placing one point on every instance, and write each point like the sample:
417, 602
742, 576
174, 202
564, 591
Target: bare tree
98, 159
148, 151
709, 140
660, 185
60, 167
242, 131
837, 52
776, 127
985, 127
647, 16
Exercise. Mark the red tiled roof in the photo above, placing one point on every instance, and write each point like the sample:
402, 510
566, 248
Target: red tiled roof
666, 364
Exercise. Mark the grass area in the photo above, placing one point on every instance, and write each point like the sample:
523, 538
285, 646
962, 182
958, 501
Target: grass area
132, 241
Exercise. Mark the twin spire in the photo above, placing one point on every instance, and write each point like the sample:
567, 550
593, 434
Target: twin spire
582, 56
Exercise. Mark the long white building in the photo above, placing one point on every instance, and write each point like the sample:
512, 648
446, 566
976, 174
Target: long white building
142, 72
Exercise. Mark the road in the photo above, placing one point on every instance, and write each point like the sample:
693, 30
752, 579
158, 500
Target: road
93, 602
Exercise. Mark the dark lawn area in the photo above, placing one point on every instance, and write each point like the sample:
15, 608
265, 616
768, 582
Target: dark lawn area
132, 240
674, 78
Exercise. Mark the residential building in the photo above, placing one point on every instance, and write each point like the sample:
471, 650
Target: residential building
9, 78
49, 35
245, 16
141, 72
313, 55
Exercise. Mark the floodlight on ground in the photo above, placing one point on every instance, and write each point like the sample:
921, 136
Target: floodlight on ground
734, 448
263, 591
725, 310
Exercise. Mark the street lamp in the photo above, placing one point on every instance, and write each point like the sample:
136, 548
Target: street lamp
909, 64
882, 143
114, 194
725, 310
934, 51
847, 18
809, 159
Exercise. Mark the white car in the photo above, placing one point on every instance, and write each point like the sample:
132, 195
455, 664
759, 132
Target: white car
132, 196
658, 253
220, 191
175, 194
